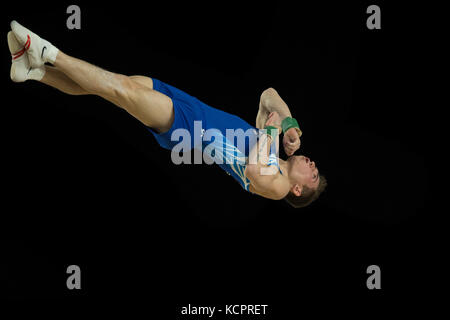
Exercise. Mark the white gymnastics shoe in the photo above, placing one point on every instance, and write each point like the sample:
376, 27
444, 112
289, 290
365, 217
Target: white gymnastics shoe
20, 66
39, 50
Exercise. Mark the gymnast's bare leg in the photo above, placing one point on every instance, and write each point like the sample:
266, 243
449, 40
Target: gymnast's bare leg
73, 76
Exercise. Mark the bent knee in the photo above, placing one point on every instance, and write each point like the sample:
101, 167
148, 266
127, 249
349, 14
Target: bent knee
144, 81
125, 91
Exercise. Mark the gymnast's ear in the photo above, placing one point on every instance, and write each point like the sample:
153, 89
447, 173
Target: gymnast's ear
297, 189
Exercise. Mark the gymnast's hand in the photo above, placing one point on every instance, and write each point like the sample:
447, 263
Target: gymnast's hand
291, 141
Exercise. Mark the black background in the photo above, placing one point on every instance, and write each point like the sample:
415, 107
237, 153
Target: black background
86, 184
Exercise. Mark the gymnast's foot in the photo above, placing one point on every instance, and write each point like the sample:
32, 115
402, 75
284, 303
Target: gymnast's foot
39, 50
20, 67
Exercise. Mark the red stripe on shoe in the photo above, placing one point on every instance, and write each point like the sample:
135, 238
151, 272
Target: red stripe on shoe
18, 54
25, 48
27, 44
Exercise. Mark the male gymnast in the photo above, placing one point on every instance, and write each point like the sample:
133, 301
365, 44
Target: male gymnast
163, 109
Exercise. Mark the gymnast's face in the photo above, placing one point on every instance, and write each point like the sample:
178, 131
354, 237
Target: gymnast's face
303, 171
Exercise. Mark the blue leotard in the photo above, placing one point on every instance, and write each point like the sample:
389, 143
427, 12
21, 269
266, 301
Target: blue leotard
214, 142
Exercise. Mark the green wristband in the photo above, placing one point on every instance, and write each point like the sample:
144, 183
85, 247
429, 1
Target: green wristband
270, 129
289, 123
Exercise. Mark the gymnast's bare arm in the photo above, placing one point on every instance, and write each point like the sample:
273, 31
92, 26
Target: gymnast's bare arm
270, 101
266, 180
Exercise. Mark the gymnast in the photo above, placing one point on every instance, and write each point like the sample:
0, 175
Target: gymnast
247, 153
